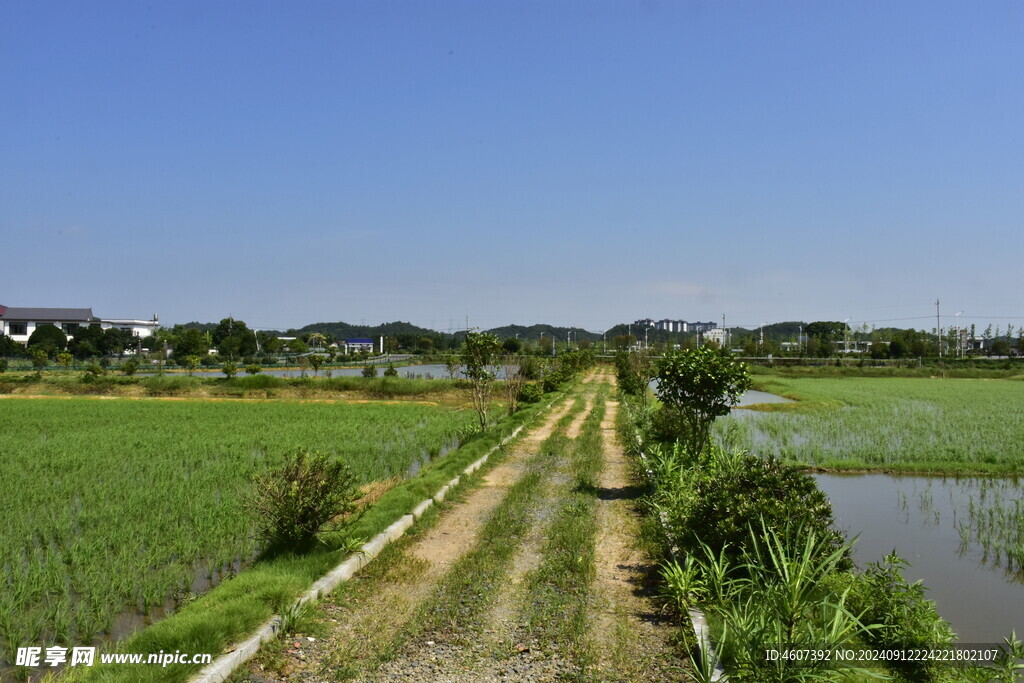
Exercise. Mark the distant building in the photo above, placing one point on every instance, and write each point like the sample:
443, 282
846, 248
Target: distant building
20, 323
358, 345
668, 325
717, 335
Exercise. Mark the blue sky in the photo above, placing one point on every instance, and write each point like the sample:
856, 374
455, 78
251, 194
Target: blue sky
579, 163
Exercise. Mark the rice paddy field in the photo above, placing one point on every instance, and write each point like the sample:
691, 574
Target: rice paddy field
113, 507
888, 423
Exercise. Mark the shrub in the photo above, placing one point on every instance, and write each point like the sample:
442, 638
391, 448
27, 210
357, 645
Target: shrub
3, 365
370, 371
907, 619
720, 496
391, 371
530, 393
697, 387
294, 502
253, 369
130, 366
229, 369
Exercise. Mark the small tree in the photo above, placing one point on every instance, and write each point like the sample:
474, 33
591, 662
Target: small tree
697, 387
370, 371
49, 338
295, 501
130, 366
390, 371
452, 365
514, 381
191, 363
253, 369
3, 365
39, 360
229, 369
479, 354
315, 361
65, 359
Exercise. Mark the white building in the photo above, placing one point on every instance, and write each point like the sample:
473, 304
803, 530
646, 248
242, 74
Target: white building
717, 335
20, 323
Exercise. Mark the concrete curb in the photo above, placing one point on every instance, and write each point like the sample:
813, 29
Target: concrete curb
221, 668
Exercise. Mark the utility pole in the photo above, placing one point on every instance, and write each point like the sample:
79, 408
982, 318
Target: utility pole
938, 329
725, 333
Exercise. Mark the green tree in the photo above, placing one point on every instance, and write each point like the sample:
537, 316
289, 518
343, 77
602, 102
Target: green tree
425, 344
189, 342
233, 338
39, 359
370, 371
65, 359
452, 365
511, 345
229, 369
480, 353
624, 341
697, 387
115, 341
316, 340
634, 370
191, 363
315, 361
390, 370
253, 369
87, 342
47, 338
130, 366
9, 347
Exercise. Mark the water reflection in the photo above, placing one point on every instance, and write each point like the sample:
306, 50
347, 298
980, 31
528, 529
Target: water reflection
940, 525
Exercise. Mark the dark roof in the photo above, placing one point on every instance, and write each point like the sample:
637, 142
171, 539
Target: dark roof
47, 314
359, 340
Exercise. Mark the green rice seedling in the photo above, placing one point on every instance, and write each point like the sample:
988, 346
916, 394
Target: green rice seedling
907, 424
116, 505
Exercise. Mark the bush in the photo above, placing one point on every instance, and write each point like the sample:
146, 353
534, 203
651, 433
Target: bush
95, 369
229, 369
3, 365
370, 371
253, 369
130, 366
293, 502
530, 393
391, 371
909, 621
719, 496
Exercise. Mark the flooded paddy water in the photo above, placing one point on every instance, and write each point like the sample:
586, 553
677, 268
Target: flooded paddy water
940, 525
963, 537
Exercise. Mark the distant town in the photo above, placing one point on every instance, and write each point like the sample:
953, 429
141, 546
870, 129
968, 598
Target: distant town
83, 334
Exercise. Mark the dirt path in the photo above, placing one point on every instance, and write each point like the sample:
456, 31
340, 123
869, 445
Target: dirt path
381, 600
372, 630
633, 641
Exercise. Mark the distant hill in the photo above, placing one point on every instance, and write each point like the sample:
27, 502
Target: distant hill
533, 332
342, 330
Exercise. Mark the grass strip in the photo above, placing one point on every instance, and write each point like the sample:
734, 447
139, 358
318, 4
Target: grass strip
559, 590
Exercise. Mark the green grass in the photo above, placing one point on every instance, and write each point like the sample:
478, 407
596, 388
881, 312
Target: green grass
560, 588
233, 609
118, 505
891, 424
